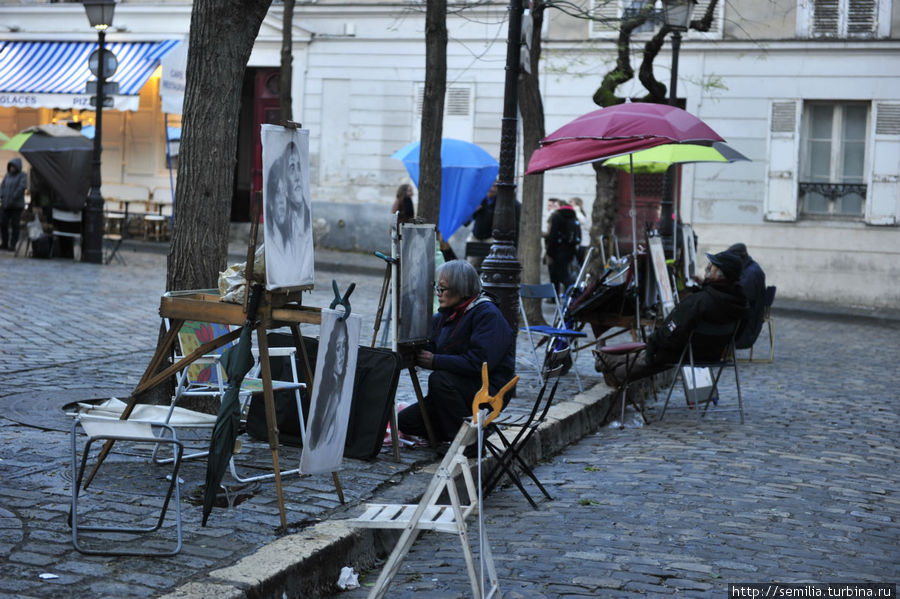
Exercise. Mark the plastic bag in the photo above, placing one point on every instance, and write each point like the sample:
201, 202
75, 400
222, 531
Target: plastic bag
348, 579
232, 281
35, 228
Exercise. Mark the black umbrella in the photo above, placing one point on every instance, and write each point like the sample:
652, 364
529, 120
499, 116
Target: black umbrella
236, 360
62, 157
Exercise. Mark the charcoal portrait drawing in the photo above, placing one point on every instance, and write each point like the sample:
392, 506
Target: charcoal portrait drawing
332, 393
416, 282
286, 207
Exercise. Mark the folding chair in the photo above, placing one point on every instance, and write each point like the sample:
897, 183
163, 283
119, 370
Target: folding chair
448, 518
768, 300
206, 378
557, 336
126, 433
710, 335
66, 225
508, 452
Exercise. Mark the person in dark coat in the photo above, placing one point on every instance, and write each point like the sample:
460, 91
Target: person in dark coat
753, 282
12, 202
467, 331
562, 245
720, 300
483, 219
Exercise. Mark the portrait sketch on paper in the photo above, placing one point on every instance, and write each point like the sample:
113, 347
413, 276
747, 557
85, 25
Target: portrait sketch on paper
416, 283
663, 284
332, 393
287, 216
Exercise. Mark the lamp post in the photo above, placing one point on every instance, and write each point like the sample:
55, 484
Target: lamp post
500, 271
678, 19
100, 15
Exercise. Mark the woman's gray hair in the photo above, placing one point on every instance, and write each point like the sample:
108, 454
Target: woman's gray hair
461, 277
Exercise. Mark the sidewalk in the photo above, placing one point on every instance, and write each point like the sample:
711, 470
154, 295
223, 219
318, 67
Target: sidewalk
86, 331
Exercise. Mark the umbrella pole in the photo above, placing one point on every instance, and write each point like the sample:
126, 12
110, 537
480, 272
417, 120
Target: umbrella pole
271, 423
634, 249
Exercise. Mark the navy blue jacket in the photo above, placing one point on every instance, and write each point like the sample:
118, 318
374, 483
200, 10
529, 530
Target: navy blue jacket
461, 344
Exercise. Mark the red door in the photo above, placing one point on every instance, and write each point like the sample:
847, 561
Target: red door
266, 109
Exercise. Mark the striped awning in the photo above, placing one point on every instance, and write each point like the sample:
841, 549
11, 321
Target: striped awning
55, 74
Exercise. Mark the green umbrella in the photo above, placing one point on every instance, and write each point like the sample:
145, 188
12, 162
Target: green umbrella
236, 361
3, 137
658, 159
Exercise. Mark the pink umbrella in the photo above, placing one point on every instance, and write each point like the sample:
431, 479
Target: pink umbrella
616, 131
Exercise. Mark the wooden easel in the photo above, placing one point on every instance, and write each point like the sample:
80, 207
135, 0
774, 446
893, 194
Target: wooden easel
278, 308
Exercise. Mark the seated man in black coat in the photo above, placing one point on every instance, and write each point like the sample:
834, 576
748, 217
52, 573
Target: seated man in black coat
753, 283
720, 300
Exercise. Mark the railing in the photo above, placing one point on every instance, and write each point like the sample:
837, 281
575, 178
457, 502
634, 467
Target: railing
833, 193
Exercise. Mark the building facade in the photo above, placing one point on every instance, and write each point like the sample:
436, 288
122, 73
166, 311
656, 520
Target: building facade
809, 90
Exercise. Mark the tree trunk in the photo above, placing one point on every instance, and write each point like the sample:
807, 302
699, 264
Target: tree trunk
531, 108
603, 215
221, 38
287, 62
433, 110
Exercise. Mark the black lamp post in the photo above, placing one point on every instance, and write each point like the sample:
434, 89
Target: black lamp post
678, 19
100, 15
500, 271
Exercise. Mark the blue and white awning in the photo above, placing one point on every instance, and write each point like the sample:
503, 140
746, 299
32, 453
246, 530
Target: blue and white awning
55, 74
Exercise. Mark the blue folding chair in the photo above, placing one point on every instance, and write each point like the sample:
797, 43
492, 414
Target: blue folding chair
557, 335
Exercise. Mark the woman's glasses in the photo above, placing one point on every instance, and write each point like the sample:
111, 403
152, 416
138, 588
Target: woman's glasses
440, 290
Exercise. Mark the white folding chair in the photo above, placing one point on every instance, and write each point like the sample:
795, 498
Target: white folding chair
92, 511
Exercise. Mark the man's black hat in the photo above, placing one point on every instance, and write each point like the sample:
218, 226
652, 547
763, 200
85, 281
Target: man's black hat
729, 263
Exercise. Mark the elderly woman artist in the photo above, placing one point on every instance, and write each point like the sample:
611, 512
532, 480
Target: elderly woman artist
467, 331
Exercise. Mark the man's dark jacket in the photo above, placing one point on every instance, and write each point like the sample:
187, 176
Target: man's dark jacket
719, 302
461, 342
753, 282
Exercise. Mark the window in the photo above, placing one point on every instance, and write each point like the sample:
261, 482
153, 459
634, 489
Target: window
843, 18
833, 159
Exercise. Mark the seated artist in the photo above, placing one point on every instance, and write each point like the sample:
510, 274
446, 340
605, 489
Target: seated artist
720, 300
467, 331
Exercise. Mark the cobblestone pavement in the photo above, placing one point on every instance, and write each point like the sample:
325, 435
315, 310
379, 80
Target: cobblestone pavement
806, 491
72, 331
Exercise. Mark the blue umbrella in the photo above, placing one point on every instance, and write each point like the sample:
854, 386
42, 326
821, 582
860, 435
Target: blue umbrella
467, 172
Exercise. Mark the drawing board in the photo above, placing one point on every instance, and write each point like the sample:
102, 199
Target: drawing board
287, 215
416, 283
332, 393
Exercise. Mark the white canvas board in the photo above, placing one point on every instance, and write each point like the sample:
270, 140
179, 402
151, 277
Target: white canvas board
287, 216
663, 284
416, 282
332, 393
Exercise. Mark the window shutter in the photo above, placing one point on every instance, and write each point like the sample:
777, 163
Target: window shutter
883, 203
826, 20
783, 152
715, 28
862, 18
459, 118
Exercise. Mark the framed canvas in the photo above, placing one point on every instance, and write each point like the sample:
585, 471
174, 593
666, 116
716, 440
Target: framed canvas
332, 393
287, 216
661, 274
416, 300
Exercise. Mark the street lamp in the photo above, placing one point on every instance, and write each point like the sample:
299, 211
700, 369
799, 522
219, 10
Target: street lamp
678, 19
100, 16
500, 271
